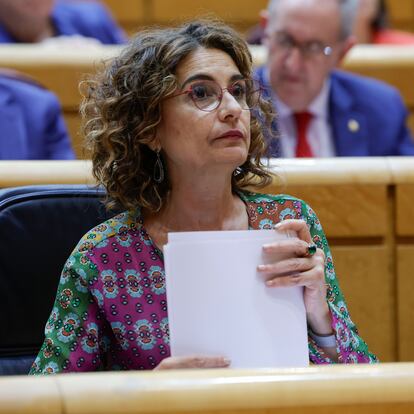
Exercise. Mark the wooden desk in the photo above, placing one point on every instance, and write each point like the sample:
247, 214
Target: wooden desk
346, 389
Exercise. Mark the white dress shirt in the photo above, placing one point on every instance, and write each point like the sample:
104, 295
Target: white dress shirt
319, 133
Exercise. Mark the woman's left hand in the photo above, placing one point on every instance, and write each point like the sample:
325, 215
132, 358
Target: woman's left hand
301, 269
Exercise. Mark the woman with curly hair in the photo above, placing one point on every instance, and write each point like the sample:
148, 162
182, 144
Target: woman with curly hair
175, 140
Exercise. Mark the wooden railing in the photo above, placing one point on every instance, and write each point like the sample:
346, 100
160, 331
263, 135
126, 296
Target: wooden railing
18, 173
346, 389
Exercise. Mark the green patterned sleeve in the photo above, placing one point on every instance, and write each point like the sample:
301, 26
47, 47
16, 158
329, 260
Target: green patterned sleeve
350, 346
72, 332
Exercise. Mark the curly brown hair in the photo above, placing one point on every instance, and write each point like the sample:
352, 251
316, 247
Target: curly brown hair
121, 109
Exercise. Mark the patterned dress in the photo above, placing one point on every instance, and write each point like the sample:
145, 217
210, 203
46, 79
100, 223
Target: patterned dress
111, 313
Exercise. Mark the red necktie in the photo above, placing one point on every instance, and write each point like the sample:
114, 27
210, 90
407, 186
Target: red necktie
302, 123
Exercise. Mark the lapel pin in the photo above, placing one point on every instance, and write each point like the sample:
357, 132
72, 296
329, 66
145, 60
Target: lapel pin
353, 125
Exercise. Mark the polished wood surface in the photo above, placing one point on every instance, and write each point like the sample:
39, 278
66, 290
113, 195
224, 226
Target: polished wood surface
342, 170
405, 209
405, 287
287, 172
403, 176
366, 277
133, 15
401, 14
18, 173
345, 210
21, 395
335, 389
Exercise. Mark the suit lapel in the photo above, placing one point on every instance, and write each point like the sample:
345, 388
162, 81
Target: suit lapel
349, 126
12, 128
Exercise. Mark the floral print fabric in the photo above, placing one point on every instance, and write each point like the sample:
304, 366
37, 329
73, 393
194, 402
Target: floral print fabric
110, 311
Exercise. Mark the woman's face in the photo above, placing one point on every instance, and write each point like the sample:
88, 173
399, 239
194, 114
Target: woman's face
195, 141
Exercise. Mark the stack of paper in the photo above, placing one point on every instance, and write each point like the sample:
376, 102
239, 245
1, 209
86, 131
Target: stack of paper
219, 305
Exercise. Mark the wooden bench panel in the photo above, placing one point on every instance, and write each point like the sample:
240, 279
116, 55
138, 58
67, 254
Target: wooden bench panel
367, 281
402, 171
128, 11
134, 14
39, 172
401, 14
405, 209
241, 13
405, 299
73, 122
345, 210
131, 15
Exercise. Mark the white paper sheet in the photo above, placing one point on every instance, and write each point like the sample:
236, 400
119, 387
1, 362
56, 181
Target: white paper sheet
218, 304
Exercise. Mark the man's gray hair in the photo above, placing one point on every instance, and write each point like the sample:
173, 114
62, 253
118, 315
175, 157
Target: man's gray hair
348, 10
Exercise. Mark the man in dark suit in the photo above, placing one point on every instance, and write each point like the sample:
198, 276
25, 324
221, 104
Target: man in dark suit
37, 20
322, 111
31, 122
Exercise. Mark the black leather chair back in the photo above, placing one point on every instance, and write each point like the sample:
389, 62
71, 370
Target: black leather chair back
39, 227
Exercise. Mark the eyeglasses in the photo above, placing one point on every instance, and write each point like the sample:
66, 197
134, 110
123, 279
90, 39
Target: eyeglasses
208, 94
308, 50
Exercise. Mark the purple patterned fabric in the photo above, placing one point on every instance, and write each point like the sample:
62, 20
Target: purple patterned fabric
110, 311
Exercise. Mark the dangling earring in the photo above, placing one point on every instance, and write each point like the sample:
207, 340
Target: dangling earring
158, 169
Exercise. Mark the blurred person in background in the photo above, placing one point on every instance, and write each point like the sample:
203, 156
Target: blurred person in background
31, 121
323, 111
33, 21
371, 26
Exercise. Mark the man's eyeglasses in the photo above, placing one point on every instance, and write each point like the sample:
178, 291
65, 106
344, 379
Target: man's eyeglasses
308, 50
208, 94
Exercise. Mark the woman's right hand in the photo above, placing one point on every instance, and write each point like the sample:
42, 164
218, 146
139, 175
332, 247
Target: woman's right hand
193, 362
